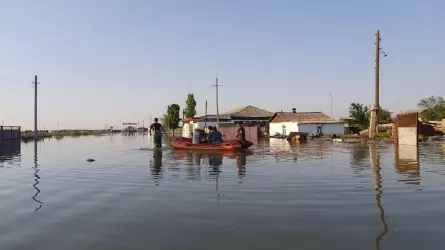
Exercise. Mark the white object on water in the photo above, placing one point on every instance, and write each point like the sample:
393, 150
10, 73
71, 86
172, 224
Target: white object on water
196, 136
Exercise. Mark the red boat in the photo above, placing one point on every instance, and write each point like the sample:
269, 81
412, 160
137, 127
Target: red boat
186, 143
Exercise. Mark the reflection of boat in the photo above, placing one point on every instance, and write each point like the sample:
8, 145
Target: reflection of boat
186, 143
182, 154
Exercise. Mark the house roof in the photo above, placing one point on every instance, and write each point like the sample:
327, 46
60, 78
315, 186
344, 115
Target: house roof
248, 111
302, 117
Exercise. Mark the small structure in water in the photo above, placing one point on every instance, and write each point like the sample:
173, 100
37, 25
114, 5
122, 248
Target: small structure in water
9, 133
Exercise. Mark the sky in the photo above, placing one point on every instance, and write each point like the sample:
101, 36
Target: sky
103, 62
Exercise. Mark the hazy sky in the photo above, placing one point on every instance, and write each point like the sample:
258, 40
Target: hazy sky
101, 62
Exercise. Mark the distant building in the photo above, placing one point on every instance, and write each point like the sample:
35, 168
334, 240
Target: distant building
283, 123
249, 115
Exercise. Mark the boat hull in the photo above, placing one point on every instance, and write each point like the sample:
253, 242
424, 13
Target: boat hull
186, 143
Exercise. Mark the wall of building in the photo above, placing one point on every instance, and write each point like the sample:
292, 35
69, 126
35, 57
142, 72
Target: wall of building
229, 133
277, 127
327, 129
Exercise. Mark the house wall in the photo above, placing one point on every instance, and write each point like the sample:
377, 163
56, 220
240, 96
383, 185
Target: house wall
277, 127
229, 133
327, 129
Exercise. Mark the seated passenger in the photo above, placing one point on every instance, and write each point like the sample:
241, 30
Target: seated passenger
215, 136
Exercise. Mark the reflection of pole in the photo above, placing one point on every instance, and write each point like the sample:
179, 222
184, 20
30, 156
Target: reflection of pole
37, 177
375, 162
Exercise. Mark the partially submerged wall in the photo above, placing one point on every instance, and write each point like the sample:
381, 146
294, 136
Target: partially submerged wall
406, 129
406, 137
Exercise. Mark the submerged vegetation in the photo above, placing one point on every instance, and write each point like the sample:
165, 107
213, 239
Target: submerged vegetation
29, 135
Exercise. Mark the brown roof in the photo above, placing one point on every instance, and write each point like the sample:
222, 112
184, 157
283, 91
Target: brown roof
302, 117
249, 111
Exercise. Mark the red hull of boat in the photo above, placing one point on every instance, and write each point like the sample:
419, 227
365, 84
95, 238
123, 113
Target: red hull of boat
186, 143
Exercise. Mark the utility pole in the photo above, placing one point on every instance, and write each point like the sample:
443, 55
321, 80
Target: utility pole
377, 75
205, 119
58, 126
35, 108
374, 119
330, 96
217, 102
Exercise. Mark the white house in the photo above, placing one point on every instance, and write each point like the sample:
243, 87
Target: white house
283, 123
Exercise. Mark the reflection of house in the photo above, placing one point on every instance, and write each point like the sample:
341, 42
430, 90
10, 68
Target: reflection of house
309, 122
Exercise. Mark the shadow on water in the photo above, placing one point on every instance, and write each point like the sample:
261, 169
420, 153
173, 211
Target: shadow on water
376, 169
37, 178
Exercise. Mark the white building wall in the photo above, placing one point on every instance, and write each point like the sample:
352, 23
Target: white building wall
328, 128
277, 127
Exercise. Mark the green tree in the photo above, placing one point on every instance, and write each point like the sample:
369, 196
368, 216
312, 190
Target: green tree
359, 113
384, 116
434, 108
171, 119
190, 106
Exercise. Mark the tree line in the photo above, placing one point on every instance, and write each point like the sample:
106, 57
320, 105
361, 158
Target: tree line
433, 109
171, 119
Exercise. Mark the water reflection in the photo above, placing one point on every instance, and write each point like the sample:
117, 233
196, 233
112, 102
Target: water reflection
36, 178
407, 163
156, 165
376, 169
360, 156
215, 160
10, 151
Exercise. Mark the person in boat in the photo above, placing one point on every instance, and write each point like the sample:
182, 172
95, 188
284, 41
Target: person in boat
157, 138
241, 134
214, 135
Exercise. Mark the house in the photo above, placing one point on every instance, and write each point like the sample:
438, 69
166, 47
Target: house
250, 115
247, 114
283, 123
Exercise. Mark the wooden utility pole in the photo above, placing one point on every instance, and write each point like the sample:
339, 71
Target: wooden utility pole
217, 102
374, 119
377, 75
35, 108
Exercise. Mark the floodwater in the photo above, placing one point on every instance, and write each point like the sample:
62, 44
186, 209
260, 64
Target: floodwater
314, 195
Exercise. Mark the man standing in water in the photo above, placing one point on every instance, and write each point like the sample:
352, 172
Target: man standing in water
241, 134
156, 127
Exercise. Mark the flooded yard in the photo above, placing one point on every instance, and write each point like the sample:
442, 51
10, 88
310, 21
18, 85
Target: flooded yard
314, 195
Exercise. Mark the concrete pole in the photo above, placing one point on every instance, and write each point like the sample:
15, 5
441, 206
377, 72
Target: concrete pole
35, 109
374, 120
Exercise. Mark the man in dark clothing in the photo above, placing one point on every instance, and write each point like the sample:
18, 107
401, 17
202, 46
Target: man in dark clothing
214, 135
241, 134
156, 127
